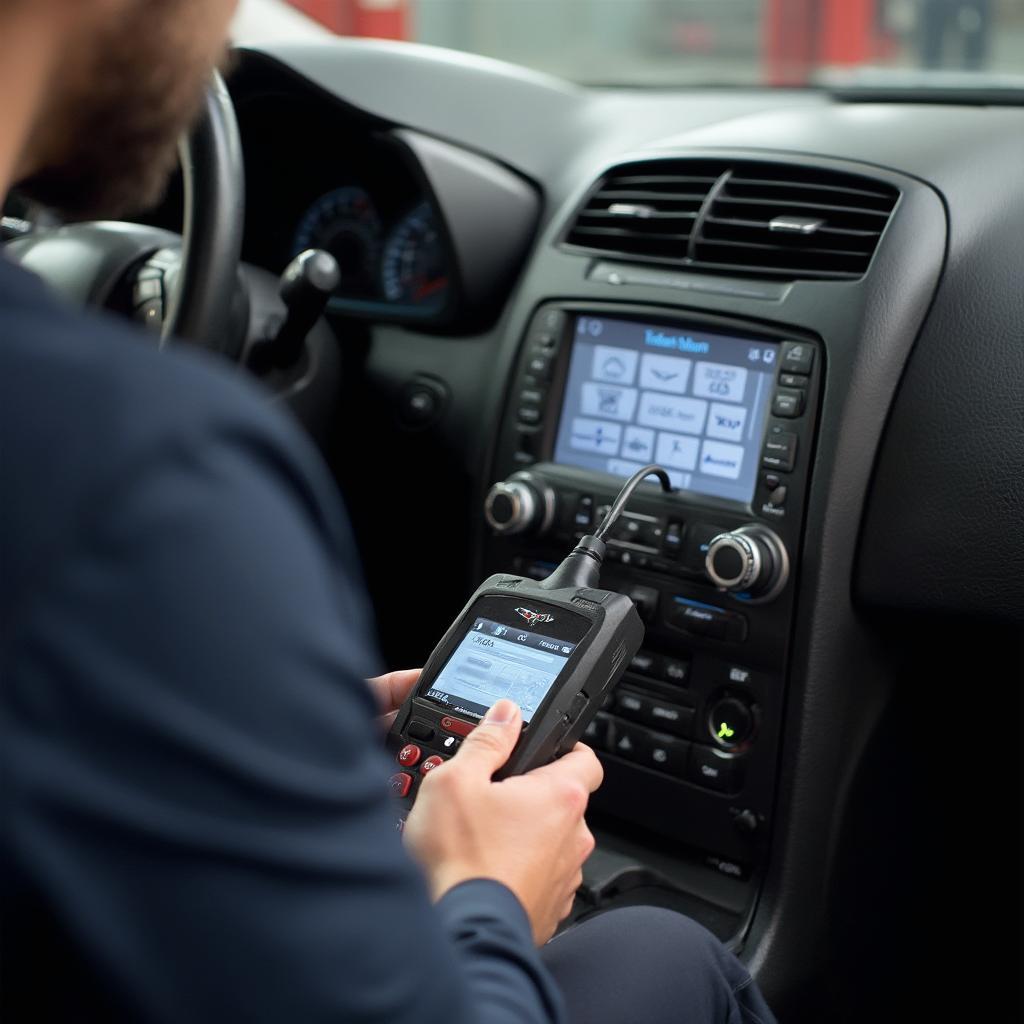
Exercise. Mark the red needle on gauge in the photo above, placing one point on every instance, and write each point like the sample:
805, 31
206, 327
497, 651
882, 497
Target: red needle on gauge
426, 290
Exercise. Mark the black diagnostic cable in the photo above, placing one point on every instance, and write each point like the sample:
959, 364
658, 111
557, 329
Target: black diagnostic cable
612, 515
582, 567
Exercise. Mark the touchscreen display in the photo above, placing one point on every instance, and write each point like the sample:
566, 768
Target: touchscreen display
691, 401
495, 660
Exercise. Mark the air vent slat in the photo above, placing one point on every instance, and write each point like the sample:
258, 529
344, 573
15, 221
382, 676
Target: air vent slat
762, 185
869, 236
781, 249
627, 233
656, 216
618, 195
798, 204
746, 217
663, 179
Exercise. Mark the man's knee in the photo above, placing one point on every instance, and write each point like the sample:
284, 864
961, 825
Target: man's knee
653, 965
655, 937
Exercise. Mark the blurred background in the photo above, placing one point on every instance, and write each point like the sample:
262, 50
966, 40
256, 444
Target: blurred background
680, 42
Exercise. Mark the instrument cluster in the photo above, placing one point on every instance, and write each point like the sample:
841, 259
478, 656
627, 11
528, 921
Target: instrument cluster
392, 256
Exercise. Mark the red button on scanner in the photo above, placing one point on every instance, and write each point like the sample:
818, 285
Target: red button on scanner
400, 783
409, 755
430, 764
457, 726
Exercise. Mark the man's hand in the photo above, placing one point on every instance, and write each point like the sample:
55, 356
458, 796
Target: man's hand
391, 691
527, 831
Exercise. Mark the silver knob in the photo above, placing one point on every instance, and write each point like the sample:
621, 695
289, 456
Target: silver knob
751, 561
510, 507
519, 504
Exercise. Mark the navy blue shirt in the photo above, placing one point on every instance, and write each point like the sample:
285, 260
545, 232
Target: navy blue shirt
196, 823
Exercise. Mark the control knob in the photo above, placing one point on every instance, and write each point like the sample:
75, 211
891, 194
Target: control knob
521, 504
751, 561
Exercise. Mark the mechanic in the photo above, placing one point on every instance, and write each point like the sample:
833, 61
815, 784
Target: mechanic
196, 818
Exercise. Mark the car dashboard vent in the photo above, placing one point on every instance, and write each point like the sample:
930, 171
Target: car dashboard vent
736, 217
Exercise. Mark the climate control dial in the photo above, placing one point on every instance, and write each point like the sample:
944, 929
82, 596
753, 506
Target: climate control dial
751, 561
521, 504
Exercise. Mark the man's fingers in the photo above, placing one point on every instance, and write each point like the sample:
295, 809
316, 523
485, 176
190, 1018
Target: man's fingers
392, 689
580, 763
489, 745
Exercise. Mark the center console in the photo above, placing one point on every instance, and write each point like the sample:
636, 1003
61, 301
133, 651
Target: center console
690, 738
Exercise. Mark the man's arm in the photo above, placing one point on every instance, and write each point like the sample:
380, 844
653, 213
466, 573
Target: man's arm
197, 795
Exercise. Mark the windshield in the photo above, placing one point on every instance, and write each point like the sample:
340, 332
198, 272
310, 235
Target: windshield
912, 43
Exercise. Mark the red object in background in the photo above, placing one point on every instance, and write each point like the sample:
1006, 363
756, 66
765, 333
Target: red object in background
799, 36
380, 19
847, 32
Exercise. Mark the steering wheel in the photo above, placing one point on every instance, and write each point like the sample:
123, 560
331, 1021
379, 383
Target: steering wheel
196, 274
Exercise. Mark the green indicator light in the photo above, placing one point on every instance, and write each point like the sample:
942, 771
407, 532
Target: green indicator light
724, 732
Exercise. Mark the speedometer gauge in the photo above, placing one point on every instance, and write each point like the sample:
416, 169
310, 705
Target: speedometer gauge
415, 270
346, 224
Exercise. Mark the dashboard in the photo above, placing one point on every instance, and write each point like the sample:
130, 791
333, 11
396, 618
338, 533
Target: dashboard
810, 309
365, 205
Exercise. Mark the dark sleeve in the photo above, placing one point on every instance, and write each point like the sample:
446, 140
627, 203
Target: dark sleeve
197, 791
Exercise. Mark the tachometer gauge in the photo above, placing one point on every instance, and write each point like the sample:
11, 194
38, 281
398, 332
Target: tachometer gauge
415, 271
346, 224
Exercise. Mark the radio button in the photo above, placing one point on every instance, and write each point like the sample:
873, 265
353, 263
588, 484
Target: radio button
714, 770
779, 450
645, 598
584, 517
654, 713
708, 621
788, 404
550, 321
645, 663
670, 718
797, 357
631, 705
672, 542
664, 754
540, 366
675, 671
625, 740
651, 535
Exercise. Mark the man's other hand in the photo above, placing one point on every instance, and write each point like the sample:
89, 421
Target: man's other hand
527, 831
391, 691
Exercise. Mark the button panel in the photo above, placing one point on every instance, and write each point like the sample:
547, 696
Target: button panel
661, 733
779, 450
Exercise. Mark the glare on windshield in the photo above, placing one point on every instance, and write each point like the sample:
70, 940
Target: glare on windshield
679, 42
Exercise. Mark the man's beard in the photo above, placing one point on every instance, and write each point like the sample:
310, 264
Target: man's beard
123, 109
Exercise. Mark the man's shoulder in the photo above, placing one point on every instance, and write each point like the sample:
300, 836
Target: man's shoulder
101, 374
86, 401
